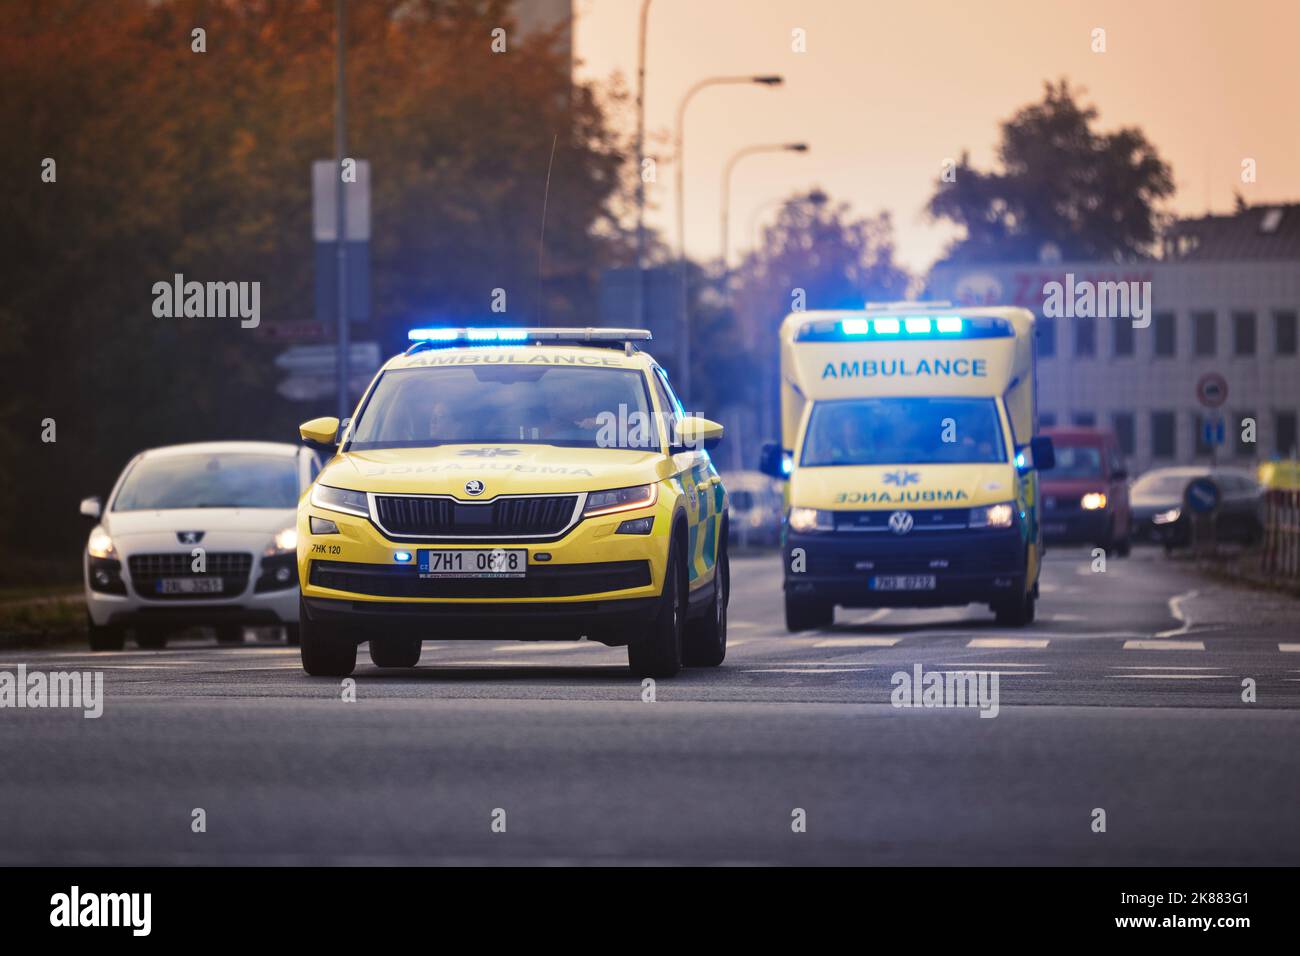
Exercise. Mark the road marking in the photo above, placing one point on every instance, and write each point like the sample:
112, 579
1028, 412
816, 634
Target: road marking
1164, 645
1289, 648
871, 618
1163, 667
1172, 676
1177, 613
989, 664
1006, 643
806, 670
975, 670
1067, 618
735, 625
857, 642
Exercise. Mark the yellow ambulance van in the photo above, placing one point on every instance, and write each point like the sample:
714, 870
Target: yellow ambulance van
907, 440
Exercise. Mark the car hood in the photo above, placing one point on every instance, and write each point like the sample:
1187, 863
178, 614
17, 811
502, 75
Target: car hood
503, 469
892, 486
125, 524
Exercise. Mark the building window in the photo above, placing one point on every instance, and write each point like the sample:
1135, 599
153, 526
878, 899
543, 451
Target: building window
1166, 339
1284, 333
1284, 430
1205, 340
1122, 337
1162, 435
1245, 449
1047, 419
1046, 337
1243, 333
1126, 431
1083, 419
1085, 337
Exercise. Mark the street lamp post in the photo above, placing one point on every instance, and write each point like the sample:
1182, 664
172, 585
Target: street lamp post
638, 306
725, 211
340, 221
683, 332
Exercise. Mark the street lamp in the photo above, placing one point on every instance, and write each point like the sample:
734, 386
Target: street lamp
639, 303
684, 347
726, 184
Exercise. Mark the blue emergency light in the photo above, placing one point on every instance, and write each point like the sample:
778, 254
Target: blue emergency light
902, 328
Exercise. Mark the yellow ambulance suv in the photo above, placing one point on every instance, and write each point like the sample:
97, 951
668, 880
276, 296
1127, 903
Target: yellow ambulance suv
515, 484
908, 446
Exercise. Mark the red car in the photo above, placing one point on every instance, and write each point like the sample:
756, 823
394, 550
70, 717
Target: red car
1085, 496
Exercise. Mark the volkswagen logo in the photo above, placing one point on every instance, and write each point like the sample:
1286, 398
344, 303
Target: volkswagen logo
473, 487
189, 537
900, 522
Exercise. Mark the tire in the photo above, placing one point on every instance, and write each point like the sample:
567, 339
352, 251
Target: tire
292, 636
705, 644
396, 652
806, 614
104, 637
1016, 613
326, 650
150, 638
659, 651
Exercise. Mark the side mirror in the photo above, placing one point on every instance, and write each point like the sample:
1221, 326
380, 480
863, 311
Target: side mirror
694, 432
1042, 454
320, 433
91, 507
774, 462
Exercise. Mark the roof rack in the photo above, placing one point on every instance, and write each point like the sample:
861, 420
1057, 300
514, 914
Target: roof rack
432, 338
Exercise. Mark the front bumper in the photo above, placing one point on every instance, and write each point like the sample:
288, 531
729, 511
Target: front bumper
969, 566
1076, 527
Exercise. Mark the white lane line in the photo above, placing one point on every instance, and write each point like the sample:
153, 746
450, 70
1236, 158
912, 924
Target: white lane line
545, 648
1006, 643
975, 670
1289, 648
857, 642
1172, 676
1164, 645
1177, 613
1067, 618
989, 664
1163, 667
738, 625
806, 670
871, 618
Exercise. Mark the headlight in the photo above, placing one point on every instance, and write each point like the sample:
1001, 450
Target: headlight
340, 499
806, 520
285, 541
100, 544
619, 499
1093, 501
993, 516
1167, 517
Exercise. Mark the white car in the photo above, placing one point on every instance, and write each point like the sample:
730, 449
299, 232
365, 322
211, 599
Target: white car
199, 534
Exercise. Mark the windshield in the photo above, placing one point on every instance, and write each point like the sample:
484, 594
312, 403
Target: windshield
210, 481
1076, 461
903, 431
574, 407
1162, 483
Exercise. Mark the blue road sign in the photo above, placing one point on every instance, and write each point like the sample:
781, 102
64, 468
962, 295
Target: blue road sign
1202, 495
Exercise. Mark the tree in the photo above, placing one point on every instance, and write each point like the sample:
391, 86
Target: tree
1093, 195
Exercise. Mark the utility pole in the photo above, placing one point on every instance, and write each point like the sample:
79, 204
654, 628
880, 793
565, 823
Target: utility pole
340, 151
638, 304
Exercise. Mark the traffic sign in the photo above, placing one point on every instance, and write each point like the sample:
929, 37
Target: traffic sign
326, 178
1212, 390
363, 359
1213, 432
1202, 495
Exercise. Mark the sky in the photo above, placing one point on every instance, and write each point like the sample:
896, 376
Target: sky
886, 92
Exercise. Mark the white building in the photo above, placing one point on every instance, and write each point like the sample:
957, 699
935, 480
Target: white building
1224, 299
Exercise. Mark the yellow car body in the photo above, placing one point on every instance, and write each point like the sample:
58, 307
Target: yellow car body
576, 571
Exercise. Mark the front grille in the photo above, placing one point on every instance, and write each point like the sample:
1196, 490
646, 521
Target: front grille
502, 518
969, 552
232, 567
543, 581
923, 519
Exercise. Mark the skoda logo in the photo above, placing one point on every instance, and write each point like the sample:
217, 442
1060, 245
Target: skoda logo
900, 522
473, 487
189, 537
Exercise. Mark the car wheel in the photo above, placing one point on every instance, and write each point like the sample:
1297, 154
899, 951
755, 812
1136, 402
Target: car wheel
150, 638
658, 653
230, 634
807, 614
1017, 612
326, 650
105, 637
396, 651
706, 637
292, 636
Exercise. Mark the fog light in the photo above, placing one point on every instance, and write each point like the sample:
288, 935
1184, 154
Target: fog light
636, 526
323, 526
283, 574
101, 577
402, 557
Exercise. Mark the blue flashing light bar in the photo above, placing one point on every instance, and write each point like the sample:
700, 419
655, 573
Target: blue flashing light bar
423, 338
901, 328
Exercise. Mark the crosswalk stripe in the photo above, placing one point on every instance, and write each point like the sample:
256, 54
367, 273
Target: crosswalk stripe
857, 642
1164, 644
1007, 643
1289, 648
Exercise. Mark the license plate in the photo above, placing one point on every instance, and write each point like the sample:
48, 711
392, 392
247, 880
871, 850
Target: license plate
903, 582
190, 585
474, 563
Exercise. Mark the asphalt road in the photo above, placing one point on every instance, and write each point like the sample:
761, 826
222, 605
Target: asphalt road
1125, 696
